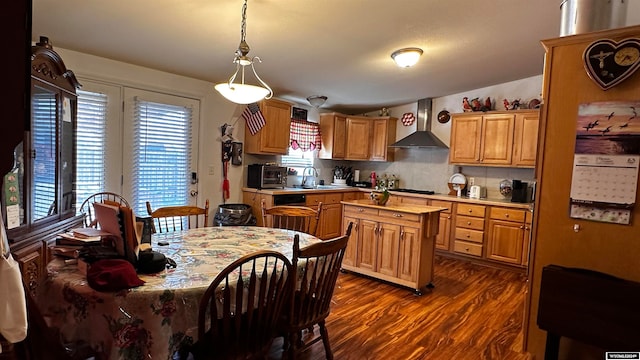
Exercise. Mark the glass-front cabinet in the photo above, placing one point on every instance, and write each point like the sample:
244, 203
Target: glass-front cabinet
38, 194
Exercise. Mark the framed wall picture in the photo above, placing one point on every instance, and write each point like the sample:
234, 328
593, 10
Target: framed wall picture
298, 113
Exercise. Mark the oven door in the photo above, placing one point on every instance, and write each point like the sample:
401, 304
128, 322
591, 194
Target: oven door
290, 199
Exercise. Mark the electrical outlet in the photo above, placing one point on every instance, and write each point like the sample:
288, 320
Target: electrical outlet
212, 169
472, 181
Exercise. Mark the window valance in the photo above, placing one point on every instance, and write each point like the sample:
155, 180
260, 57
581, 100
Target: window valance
305, 135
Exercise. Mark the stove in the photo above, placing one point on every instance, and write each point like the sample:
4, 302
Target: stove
413, 191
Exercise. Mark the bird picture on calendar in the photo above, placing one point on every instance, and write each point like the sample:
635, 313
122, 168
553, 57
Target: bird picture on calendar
606, 161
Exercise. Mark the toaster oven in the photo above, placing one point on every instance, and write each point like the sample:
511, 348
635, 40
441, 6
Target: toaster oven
261, 176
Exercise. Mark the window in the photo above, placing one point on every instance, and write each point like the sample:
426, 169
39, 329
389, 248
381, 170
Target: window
305, 140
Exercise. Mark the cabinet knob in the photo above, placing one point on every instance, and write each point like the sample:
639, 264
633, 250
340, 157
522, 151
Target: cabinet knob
397, 215
360, 209
522, 227
468, 235
506, 215
468, 222
449, 217
466, 249
470, 210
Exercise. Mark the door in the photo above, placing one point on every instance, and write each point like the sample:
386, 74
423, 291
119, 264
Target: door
350, 253
409, 254
358, 132
160, 149
497, 139
465, 139
379, 140
387, 257
505, 241
366, 256
525, 144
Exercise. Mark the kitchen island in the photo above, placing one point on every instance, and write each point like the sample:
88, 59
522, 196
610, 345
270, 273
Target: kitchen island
394, 243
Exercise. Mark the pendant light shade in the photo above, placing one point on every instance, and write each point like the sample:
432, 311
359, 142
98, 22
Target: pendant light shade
241, 93
316, 100
406, 57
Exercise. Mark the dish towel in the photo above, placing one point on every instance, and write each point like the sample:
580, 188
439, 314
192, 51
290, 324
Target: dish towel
13, 308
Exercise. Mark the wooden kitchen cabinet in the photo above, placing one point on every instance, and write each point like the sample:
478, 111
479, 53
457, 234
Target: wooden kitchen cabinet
358, 133
488, 138
444, 228
383, 134
333, 129
394, 243
254, 199
331, 216
469, 229
349, 258
273, 138
525, 143
506, 238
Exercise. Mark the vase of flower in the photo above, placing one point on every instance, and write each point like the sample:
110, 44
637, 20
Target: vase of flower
379, 197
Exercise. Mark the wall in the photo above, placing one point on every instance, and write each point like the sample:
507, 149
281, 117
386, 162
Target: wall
429, 169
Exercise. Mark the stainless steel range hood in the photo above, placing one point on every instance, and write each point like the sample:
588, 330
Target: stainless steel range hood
423, 137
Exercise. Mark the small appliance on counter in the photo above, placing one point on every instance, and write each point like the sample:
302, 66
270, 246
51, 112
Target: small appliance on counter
362, 184
477, 192
520, 192
263, 176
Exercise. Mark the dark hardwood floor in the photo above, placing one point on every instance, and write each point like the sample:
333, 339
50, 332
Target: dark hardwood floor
474, 312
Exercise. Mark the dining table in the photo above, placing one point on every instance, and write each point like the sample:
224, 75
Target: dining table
154, 320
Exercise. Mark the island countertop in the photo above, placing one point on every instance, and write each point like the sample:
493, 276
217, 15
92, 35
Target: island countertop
406, 208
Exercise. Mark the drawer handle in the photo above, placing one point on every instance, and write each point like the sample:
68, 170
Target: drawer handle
506, 215
448, 217
397, 215
470, 210
468, 222
360, 209
466, 249
468, 235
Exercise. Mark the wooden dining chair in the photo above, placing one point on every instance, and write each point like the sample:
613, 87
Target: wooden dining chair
101, 197
176, 218
236, 324
311, 300
298, 218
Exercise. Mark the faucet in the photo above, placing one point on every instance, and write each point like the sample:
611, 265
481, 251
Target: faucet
314, 173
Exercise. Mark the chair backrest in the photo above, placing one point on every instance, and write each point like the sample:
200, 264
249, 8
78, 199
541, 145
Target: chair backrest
175, 218
239, 325
298, 218
102, 197
317, 279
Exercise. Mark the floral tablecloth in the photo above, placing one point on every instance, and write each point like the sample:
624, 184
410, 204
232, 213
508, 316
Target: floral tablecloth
151, 321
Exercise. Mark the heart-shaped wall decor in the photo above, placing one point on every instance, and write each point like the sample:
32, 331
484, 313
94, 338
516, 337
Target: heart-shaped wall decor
608, 63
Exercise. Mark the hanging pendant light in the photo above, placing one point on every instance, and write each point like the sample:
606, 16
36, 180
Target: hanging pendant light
241, 93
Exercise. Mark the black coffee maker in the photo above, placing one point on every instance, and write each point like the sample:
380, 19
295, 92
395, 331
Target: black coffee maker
519, 192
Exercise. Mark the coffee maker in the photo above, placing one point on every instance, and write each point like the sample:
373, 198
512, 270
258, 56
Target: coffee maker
519, 192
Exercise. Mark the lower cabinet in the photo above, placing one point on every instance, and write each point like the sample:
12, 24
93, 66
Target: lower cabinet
391, 245
506, 240
444, 228
329, 225
469, 230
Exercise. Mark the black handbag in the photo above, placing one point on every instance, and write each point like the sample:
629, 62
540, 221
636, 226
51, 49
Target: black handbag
151, 261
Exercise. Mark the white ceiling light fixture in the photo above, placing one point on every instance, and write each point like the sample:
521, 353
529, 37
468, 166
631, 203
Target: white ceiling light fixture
406, 57
241, 93
316, 100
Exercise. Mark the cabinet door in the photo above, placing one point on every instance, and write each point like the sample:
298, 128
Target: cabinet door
525, 146
273, 138
329, 226
358, 133
497, 139
465, 139
409, 262
254, 200
366, 256
444, 232
388, 246
350, 253
32, 260
505, 241
383, 132
333, 129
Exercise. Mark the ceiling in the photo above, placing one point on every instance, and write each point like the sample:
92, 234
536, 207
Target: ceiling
337, 48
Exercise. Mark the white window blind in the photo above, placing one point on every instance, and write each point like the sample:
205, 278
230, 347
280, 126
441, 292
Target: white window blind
44, 162
298, 159
92, 139
161, 155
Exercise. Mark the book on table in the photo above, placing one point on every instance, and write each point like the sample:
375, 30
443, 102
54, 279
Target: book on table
119, 222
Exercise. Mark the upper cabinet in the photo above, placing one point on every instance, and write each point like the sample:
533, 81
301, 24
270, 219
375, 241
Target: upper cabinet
273, 138
39, 192
494, 138
357, 137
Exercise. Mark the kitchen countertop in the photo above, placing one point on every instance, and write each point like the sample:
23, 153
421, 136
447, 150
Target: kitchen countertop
444, 197
406, 208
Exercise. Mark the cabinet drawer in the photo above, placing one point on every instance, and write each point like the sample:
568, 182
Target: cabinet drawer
414, 200
313, 200
334, 198
470, 222
467, 248
469, 235
471, 210
351, 195
442, 204
391, 215
355, 210
507, 214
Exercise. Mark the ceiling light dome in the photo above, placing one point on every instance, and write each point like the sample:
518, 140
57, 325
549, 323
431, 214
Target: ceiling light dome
406, 57
316, 100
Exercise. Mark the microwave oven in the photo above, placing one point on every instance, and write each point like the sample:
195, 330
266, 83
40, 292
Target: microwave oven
260, 176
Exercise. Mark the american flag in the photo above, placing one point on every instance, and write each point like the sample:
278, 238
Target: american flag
254, 118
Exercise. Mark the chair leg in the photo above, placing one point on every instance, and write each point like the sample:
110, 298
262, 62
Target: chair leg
325, 340
293, 344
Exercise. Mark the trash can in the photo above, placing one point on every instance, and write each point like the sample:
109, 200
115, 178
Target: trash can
234, 215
